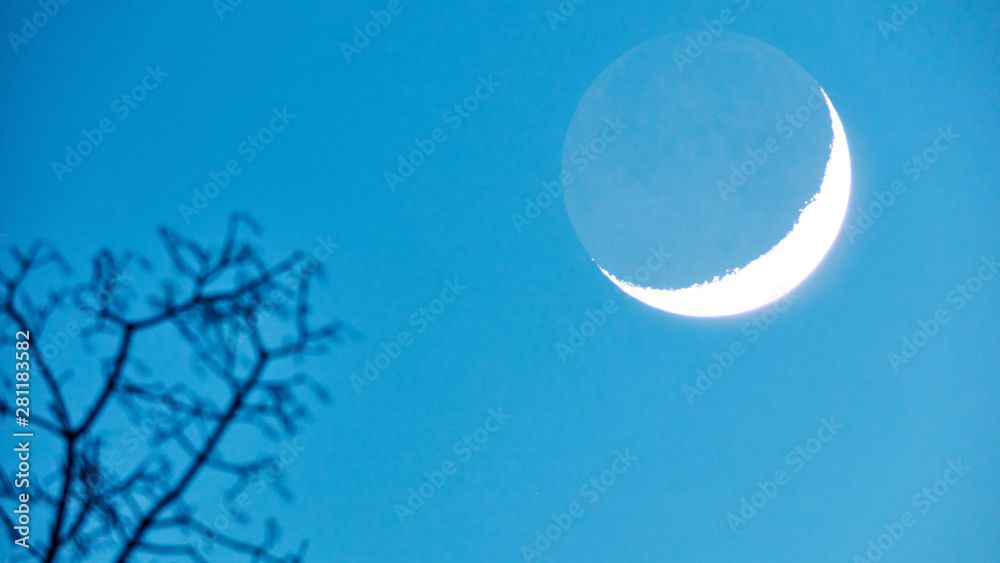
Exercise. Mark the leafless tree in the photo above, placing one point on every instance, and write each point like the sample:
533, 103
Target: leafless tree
242, 328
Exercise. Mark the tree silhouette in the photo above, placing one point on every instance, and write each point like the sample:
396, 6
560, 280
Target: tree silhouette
240, 326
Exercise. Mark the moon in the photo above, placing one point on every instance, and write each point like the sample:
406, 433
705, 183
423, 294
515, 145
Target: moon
670, 190
782, 268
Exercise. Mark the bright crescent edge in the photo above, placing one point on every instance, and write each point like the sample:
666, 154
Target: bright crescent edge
780, 269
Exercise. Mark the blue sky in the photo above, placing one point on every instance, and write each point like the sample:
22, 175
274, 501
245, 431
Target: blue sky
825, 357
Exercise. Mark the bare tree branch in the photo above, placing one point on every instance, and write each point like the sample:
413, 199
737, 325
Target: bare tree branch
216, 305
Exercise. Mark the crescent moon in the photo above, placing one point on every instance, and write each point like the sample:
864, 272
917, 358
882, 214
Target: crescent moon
780, 269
